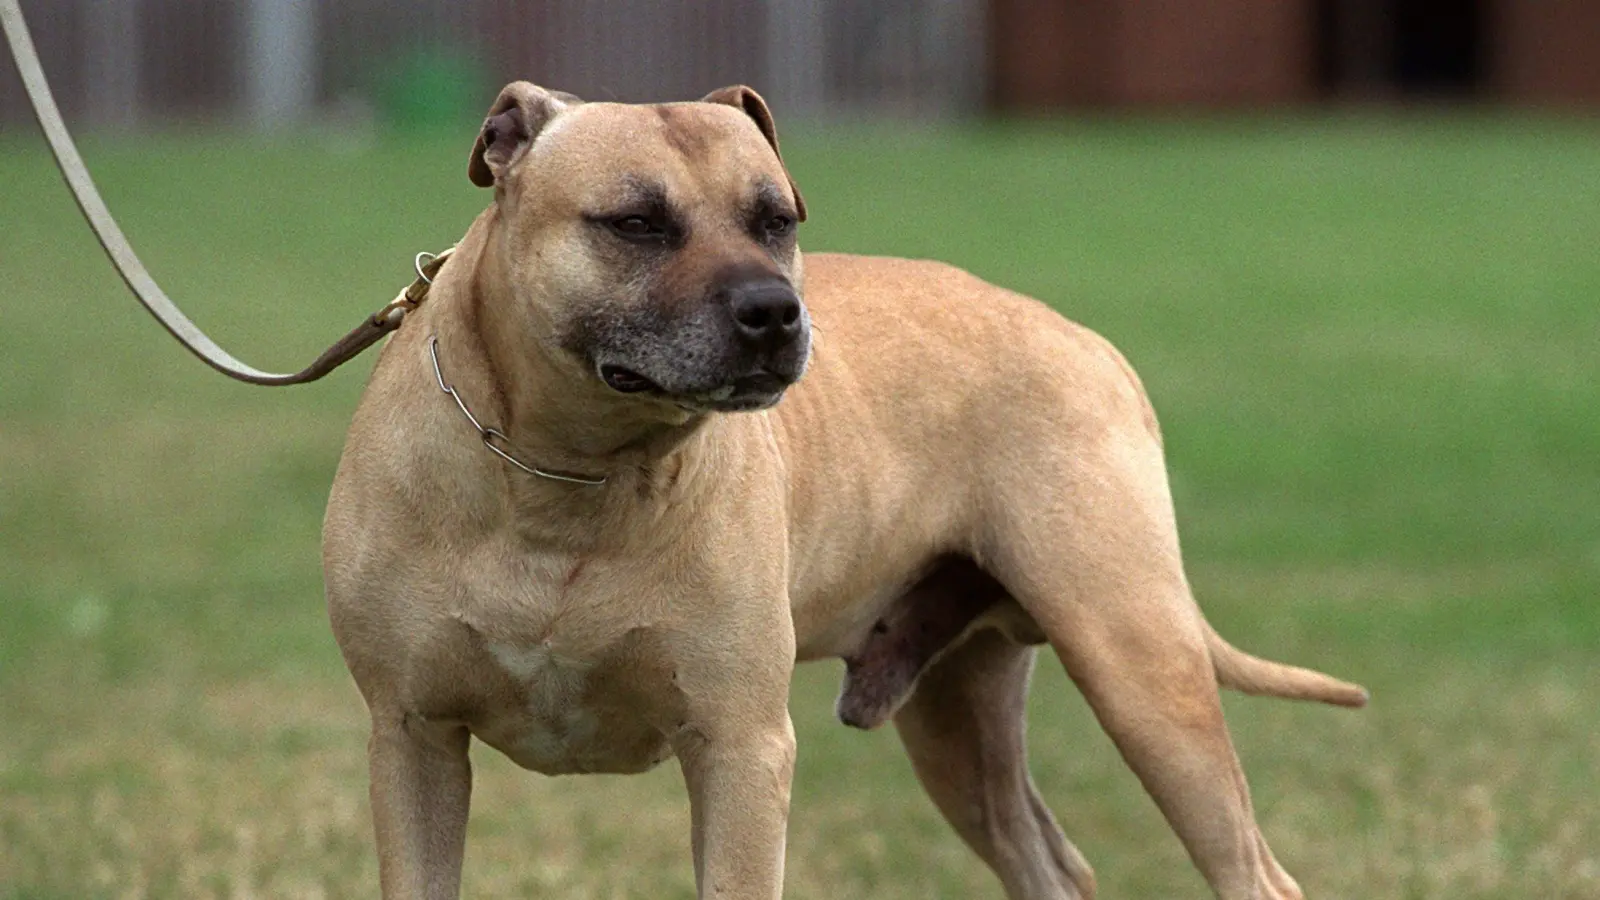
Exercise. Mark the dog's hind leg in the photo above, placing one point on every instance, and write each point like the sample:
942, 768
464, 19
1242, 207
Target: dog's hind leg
963, 728
1085, 539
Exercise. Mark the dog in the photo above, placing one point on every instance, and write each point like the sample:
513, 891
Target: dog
635, 457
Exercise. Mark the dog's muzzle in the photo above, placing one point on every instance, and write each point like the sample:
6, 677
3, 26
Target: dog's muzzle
739, 352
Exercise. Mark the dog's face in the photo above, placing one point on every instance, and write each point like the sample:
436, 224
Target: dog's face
652, 247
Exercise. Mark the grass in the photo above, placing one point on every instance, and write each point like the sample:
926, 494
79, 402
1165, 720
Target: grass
1372, 342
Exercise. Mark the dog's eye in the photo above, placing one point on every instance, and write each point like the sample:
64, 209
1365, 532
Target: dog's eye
637, 227
778, 226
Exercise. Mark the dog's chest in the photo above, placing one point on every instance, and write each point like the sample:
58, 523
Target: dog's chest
574, 688
569, 715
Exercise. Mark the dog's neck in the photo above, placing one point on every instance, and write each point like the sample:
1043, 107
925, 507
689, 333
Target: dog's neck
557, 415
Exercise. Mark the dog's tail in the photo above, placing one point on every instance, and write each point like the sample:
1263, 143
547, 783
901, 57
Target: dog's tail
1248, 674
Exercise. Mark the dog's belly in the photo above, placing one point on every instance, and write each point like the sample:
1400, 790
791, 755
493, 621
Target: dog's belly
566, 718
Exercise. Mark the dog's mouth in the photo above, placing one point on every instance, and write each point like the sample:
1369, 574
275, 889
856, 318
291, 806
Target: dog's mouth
748, 394
756, 391
626, 381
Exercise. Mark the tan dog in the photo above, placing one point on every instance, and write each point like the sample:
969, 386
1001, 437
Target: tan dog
961, 473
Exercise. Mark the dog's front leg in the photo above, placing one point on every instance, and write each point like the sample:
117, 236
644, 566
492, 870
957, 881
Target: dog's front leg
738, 779
421, 782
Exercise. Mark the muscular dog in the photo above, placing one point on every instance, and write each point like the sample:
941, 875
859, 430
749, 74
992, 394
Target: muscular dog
656, 539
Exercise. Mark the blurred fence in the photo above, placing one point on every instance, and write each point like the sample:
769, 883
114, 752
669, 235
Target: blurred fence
126, 62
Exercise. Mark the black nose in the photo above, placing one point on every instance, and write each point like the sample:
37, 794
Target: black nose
765, 312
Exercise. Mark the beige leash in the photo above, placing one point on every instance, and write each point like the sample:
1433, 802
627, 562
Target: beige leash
133, 271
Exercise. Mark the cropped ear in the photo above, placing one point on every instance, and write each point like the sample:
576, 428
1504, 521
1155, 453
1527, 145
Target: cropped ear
746, 99
518, 115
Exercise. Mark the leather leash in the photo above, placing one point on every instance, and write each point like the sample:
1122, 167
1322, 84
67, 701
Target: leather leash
133, 271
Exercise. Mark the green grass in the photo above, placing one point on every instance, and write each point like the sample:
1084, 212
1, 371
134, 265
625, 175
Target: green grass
1374, 344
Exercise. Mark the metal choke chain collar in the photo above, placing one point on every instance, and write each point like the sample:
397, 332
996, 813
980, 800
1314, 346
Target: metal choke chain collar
490, 436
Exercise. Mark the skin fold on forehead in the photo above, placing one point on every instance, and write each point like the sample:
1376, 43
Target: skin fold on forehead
683, 147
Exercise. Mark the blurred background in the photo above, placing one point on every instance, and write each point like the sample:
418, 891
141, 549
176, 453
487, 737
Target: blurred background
1350, 245
279, 62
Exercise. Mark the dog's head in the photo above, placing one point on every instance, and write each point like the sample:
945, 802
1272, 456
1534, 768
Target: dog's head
652, 246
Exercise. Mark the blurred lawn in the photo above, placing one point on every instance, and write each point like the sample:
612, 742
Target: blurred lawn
1373, 343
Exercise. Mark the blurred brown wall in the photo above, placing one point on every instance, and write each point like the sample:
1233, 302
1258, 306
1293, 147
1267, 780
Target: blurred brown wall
1546, 51
1214, 52
1049, 53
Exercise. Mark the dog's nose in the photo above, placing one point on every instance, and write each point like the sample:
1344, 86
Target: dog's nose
765, 312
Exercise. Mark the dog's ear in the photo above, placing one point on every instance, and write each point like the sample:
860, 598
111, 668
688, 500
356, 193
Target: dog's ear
746, 99
516, 118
